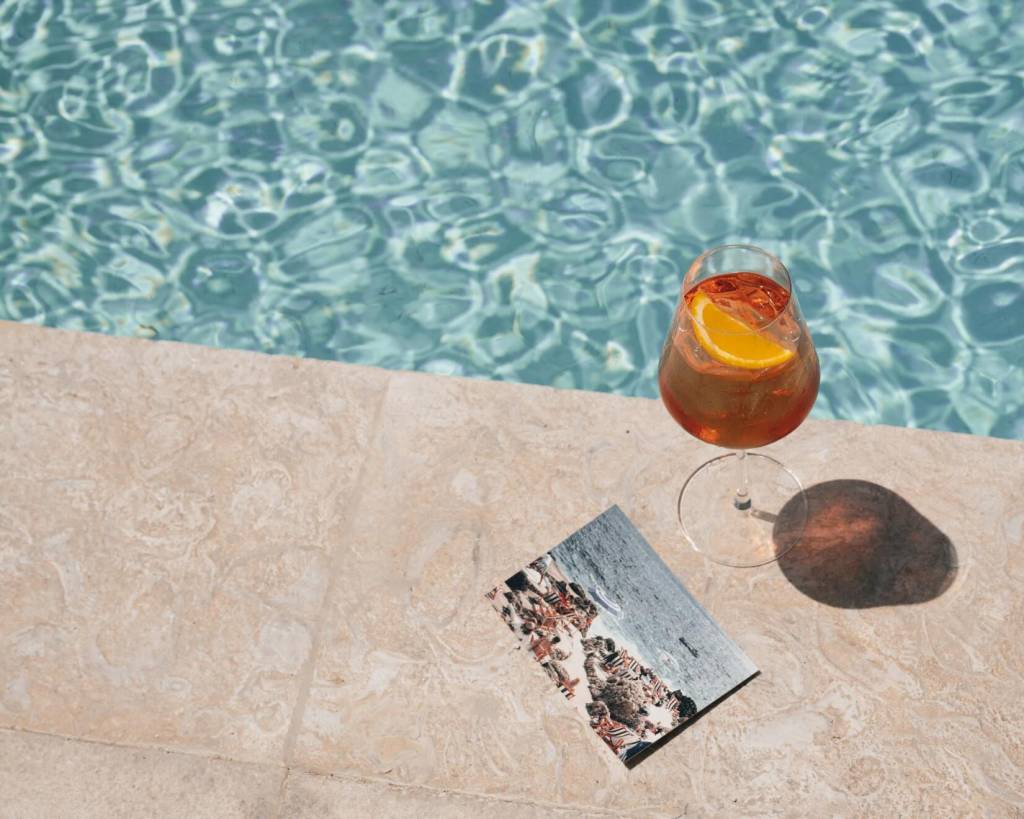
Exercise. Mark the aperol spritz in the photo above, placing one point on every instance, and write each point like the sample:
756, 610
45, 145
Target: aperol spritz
738, 370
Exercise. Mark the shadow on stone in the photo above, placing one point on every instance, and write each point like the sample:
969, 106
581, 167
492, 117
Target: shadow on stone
863, 546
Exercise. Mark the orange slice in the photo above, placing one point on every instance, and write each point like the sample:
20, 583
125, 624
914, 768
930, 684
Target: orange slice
730, 341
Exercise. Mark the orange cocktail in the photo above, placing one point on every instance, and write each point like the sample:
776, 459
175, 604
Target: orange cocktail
739, 370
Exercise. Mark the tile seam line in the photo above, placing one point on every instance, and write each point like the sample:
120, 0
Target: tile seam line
355, 496
126, 746
363, 779
288, 770
282, 792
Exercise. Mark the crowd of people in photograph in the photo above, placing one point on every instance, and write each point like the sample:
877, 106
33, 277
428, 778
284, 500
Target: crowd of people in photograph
630, 707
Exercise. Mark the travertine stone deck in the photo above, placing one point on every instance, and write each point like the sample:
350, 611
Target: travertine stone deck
251, 586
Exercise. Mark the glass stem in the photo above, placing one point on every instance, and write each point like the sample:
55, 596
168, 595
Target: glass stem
742, 499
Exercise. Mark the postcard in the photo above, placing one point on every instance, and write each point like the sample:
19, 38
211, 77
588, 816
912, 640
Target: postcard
619, 635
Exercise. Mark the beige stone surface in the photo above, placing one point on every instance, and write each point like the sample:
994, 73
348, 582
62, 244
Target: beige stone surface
275, 560
887, 709
165, 535
45, 777
324, 797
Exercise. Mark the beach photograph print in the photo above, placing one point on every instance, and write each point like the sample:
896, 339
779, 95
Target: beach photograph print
619, 635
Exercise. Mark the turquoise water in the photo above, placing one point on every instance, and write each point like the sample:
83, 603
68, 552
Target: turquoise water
512, 190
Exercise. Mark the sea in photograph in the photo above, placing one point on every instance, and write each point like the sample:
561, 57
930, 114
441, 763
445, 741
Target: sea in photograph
649, 610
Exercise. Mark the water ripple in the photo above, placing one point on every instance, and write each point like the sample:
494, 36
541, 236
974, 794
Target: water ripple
514, 189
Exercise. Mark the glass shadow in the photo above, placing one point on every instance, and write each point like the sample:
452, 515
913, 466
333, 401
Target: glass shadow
863, 546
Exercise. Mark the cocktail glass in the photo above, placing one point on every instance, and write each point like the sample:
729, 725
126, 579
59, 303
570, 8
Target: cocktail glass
739, 370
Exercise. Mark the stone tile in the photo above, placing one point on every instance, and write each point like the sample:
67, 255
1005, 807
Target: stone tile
892, 709
42, 777
171, 517
166, 531
324, 797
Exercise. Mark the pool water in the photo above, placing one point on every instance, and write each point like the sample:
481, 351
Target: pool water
513, 190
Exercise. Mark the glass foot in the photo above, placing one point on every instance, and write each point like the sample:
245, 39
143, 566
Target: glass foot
751, 533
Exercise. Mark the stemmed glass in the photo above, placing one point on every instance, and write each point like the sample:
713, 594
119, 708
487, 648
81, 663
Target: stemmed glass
739, 370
